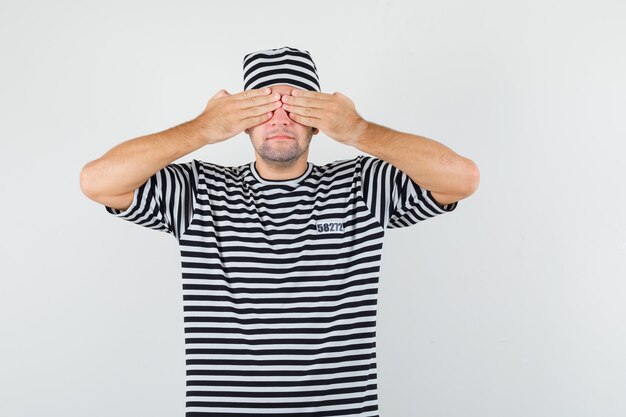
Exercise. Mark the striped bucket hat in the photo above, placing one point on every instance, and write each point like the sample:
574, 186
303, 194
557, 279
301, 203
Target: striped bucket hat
280, 66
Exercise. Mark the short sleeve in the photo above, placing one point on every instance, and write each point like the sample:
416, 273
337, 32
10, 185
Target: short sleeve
165, 202
393, 198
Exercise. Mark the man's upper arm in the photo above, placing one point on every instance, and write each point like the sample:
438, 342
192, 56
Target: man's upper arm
444, 199
164, 202
120, 202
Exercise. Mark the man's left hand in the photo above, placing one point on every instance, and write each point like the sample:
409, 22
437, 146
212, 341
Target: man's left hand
334, 114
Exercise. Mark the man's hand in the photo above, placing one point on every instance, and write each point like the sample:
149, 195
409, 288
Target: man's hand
226, 115
334, 114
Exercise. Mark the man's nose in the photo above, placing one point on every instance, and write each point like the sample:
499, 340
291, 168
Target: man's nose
280, 115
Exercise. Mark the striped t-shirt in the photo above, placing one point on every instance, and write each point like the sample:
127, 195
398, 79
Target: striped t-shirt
280, 280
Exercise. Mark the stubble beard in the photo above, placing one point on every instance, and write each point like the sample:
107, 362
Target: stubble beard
280, 153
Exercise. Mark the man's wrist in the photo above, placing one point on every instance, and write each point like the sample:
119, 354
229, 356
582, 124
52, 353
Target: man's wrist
361, 132
197, 132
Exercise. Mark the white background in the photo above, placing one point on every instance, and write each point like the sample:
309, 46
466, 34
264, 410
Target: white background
512, 305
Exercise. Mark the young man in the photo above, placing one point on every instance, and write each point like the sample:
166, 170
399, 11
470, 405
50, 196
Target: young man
280, 257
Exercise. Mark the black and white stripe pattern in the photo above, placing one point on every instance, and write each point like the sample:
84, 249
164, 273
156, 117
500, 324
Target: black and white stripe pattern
284, 65
165, 201
280, 280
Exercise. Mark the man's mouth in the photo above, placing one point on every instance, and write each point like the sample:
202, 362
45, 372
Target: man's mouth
280, 137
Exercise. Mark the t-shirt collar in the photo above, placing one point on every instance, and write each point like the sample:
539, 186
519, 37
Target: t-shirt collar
291, 181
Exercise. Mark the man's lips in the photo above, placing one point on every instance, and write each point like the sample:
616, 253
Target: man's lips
280, 137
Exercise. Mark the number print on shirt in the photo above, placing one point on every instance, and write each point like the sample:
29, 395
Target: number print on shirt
326, 226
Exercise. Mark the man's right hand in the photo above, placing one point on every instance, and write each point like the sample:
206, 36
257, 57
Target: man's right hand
113, 178
226, 115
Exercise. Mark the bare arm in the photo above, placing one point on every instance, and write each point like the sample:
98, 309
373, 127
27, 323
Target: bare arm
112, 179
449, 176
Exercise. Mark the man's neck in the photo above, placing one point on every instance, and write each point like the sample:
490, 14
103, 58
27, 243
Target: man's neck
278, 171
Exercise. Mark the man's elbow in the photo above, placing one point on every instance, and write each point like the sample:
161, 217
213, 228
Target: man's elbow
85, 181
473, 178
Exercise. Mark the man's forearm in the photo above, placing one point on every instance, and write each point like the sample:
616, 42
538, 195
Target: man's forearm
429, 163
129, 164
